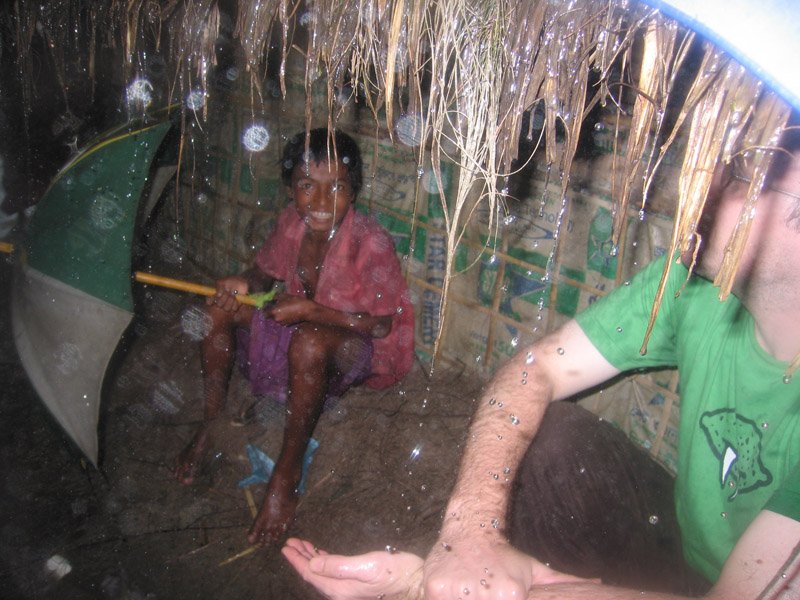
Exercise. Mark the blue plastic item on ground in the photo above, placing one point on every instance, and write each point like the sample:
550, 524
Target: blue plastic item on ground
262, 465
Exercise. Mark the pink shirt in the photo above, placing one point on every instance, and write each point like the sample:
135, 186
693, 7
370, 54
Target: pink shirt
360, 273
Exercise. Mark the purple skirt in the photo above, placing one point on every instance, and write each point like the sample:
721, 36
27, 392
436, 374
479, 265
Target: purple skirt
262, 355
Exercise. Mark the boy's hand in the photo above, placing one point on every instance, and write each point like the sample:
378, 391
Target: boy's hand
288, 309
227, 290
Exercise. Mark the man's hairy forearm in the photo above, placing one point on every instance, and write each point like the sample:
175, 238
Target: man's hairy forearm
509, 414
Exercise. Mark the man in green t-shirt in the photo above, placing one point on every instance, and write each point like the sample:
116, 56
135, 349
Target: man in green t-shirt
737, 493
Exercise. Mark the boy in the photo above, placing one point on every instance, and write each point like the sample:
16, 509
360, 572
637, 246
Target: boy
345, 317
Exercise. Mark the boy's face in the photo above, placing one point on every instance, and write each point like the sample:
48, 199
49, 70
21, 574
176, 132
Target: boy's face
322, 194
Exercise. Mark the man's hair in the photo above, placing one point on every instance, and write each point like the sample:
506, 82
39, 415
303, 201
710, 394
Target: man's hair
322, 147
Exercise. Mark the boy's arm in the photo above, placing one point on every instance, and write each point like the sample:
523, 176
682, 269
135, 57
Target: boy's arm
472, 543
289, 309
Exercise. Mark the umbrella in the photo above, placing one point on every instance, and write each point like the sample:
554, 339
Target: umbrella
71, 299
763, 36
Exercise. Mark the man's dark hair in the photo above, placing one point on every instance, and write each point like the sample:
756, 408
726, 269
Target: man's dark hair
321, 147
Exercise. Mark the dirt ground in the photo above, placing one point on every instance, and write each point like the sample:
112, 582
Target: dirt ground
380, 477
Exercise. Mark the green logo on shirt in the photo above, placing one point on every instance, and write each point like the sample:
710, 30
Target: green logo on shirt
736, 442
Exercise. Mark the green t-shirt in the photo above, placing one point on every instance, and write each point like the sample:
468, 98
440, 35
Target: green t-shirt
739, 433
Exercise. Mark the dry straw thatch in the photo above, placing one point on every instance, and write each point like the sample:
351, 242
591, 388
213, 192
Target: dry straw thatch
470, 69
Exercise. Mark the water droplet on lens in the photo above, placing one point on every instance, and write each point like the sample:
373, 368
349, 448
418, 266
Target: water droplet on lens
653, 520
255, 138
560, 351
514, 420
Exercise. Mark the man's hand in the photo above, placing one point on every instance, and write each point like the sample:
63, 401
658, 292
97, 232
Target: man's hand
477, 569
368, 576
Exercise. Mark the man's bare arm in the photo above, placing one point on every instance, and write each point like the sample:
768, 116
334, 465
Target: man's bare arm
764, 565
472, 551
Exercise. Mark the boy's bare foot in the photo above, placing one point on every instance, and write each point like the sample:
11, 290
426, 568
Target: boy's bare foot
189, 460
277, 512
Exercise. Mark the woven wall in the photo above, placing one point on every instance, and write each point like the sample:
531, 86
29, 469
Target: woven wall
543, 259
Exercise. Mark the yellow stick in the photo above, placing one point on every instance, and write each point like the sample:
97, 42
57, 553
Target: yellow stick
241, 554
184, 286
250, 502
6, 247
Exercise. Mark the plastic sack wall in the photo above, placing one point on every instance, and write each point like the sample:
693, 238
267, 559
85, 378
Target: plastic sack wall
534, 264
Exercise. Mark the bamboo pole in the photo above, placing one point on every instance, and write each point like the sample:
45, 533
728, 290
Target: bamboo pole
186, 286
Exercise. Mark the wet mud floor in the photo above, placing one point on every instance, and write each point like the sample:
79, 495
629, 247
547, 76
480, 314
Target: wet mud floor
380, 477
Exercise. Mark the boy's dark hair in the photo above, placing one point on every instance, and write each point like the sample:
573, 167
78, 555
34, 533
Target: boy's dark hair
343, 148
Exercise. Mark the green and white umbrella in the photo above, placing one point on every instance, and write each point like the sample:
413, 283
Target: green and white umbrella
72, 298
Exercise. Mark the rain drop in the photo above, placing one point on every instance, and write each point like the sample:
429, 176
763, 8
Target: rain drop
140, 91
560, 351
619, 329
514, 420
415, 453
409, 130
787, 378
255, 138
724, 515
195, 100
653, 520
529, 358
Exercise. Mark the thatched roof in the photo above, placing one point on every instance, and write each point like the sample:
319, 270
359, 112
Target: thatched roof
470, 69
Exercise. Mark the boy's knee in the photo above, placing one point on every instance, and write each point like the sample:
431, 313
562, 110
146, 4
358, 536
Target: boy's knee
308, 345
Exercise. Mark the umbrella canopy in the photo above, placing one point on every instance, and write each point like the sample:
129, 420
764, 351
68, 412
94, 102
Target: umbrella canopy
763, 36
72, 297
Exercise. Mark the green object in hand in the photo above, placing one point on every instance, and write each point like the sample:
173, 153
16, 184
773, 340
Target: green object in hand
263, 298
